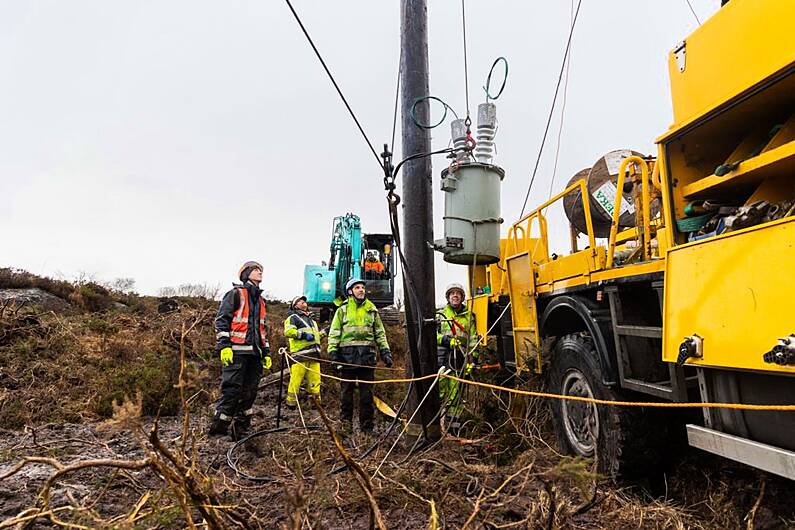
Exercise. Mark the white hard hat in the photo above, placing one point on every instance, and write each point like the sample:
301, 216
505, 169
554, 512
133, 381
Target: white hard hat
453, 287
352, 282
295, 301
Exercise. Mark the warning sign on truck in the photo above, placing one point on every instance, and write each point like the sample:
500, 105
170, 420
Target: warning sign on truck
605, 196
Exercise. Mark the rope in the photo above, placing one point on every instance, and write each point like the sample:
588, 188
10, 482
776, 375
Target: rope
336, 86
406, 426
466, 66
318, 359
595, 401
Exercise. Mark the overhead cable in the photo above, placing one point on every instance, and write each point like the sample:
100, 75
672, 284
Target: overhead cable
552, 107
334, 82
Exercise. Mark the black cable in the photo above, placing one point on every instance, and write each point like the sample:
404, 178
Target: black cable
232, 462
693, 11
552, 107
334, 82
397, 99
383, 437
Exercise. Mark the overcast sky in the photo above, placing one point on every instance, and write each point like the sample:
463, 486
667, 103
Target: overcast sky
169, 141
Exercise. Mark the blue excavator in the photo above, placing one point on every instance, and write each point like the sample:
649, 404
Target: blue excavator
353, 255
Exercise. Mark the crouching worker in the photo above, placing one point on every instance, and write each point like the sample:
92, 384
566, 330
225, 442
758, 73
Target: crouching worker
304, 337
456, 336
356, 332
243, 344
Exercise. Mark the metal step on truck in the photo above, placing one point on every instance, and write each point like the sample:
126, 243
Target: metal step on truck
678, 286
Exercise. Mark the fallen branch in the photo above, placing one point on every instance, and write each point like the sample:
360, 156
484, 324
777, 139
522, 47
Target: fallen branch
356, 470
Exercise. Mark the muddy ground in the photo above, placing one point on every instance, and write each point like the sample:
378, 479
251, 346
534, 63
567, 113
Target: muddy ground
83, 388
506, 479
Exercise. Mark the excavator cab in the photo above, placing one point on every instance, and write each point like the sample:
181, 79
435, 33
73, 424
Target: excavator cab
378, 268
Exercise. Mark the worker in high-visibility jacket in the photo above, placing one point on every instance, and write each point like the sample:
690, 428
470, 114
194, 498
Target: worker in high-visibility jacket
242, 342
304, 337
355, 334
456, 337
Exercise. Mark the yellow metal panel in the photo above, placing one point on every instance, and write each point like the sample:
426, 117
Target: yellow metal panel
745, 42
580, 263
626, 271
479, 305
735, 291
524, 312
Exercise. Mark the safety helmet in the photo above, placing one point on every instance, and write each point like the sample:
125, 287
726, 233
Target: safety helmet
454, 287
295, 301
352, 282
245, 270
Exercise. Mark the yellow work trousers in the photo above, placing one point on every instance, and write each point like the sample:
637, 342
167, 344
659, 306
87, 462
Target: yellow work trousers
308, 369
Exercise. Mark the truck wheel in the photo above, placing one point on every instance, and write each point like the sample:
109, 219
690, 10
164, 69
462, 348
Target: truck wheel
593, 431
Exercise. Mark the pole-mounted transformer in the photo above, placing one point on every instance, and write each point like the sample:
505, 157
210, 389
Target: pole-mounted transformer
472, 194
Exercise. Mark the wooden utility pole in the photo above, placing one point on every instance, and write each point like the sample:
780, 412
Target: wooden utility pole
417, 176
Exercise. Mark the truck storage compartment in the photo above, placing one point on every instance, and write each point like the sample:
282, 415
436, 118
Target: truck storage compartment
729, 298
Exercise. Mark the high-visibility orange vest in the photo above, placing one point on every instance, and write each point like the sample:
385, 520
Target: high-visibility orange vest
240, 319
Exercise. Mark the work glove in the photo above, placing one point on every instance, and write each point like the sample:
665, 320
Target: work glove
386, 356
455, 343
227, 355
267, 362
308, 336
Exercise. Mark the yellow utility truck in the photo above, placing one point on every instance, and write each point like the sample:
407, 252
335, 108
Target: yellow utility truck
680, 282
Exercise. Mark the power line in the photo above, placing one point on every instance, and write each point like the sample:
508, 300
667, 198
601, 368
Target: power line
693, 11
562, 113
552, 107
334, 82
397, 98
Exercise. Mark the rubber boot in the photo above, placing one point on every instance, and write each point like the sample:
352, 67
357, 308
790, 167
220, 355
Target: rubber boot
218, 427
241, 428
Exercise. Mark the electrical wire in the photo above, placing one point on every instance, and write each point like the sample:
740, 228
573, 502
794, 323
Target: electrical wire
413, 112
562, 112
693, 11
552, 107
397, 99
334, 82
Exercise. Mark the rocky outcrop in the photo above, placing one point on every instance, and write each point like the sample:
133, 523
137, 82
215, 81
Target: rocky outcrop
34, 297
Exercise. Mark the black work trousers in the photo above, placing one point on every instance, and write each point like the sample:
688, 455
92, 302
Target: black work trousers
239, 382
366, 408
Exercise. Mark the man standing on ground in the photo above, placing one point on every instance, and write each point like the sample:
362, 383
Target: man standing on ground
355, 333
243, 344
304, 337
456, 335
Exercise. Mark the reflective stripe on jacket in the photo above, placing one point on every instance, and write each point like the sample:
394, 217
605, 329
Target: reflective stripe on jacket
295, 326
235, 324
464, 325
357, 325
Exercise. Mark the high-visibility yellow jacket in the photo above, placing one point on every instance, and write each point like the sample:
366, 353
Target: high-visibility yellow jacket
462, 320
296, 328
356, 332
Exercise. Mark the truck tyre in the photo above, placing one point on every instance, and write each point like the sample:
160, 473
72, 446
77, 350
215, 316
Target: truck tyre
614, 436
